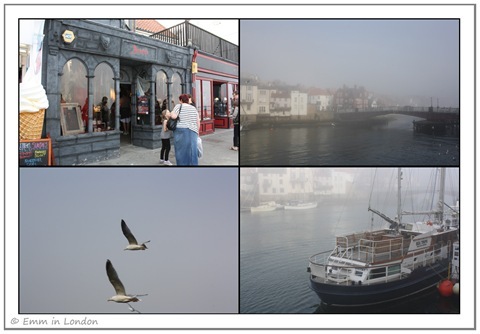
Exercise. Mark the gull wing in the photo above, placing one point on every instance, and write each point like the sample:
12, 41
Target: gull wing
113, 277
126, 232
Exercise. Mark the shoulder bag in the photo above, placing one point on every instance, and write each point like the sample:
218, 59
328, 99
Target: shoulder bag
172, 123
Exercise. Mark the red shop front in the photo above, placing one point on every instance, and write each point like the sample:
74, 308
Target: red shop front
215, 81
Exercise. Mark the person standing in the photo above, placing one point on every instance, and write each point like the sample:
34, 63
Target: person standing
165, 135
186, 134
236, 123
105, 112
125, 113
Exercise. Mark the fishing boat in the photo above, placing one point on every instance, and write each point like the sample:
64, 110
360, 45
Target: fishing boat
390, 263
300, 205
265, 207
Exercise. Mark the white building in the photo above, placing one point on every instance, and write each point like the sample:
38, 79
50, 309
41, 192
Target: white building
298, 103
248, 99
283, 184
263, 105
321, 98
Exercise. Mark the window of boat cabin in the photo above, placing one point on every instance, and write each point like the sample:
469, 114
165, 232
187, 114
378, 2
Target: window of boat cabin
377, 273
392, 270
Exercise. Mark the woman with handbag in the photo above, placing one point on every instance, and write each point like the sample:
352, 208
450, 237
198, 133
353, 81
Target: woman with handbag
186, 132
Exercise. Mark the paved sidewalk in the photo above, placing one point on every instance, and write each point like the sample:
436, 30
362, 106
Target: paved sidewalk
216, 151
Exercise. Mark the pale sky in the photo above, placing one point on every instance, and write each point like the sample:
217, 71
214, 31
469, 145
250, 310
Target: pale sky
397, 57
70, 225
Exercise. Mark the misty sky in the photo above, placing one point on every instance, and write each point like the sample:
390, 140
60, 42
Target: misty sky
394, 57
70, 225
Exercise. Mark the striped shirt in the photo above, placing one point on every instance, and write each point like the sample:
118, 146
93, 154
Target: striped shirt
188, 116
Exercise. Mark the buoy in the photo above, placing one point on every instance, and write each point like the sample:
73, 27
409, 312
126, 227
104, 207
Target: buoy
445, 288
456, 289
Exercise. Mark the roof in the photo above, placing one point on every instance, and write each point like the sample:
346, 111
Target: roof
151, 26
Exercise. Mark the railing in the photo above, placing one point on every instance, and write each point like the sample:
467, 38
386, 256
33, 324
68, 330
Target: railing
186, 34
322, 267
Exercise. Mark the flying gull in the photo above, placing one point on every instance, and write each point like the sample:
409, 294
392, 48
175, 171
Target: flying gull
133, 245
121, 296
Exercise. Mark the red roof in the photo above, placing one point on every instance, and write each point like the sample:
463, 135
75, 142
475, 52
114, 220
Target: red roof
151, 26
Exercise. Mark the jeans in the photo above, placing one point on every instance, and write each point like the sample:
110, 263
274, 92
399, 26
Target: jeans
186, 152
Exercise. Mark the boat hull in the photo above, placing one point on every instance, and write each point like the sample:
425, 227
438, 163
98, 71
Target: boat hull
263, 208
301, 206
358, 295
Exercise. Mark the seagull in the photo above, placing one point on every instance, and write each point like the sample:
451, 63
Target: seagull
121, 296
133, 245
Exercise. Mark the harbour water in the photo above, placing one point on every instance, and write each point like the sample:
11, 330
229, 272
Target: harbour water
274, 251
391, 143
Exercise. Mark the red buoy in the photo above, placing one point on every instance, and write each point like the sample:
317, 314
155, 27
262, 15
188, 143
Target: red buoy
445, 288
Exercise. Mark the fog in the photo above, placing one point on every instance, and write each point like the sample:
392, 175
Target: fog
401, 58
375, 187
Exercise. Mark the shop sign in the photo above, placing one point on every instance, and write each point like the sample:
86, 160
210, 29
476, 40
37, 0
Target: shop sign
194, 67
68, 36
133, 50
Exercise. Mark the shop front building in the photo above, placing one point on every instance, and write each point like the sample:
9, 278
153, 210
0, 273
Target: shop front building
107, 86
215, 73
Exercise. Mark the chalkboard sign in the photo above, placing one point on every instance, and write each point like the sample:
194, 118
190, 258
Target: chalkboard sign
35, 152
71, 119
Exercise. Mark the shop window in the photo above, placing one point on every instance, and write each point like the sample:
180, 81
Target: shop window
220, 101
206, 100
176, 88
198, 96
143, 100
161, 94
74, 86
104, 97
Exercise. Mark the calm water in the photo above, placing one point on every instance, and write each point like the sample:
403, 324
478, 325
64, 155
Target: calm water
274, 251
391, 144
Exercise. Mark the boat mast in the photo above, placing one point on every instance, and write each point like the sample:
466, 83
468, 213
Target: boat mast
399, 196
441, 195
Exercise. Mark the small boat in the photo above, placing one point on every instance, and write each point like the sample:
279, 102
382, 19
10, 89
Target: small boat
300, 205
386, 264
264, 207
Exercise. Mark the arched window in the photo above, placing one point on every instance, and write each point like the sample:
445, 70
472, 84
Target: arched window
103, 87
161, 86
74, 88
74, 83
176, 87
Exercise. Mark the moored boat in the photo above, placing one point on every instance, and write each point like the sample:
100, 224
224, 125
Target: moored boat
300, 205
265, 207
386, 264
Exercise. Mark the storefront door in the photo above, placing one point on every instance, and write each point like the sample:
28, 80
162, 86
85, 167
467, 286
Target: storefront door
126, 108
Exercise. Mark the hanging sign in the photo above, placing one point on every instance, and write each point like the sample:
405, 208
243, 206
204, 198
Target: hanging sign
68, 36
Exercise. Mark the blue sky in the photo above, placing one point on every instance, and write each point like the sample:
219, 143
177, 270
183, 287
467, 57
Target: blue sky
402, 57
70, 225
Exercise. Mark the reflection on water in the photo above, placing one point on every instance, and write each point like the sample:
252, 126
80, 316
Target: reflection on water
390, 144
